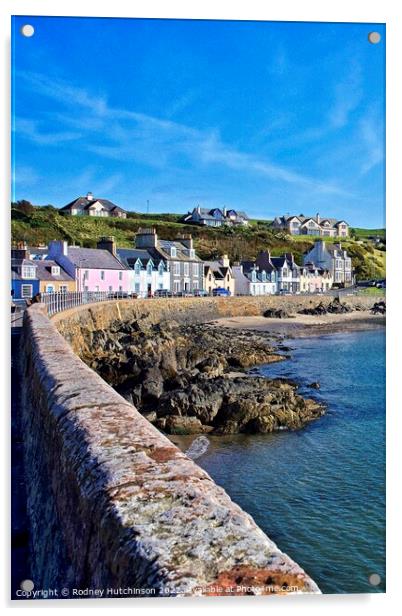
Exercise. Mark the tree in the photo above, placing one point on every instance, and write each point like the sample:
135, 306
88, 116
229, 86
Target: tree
23, 206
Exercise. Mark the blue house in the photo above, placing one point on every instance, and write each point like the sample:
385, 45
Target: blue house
24, 281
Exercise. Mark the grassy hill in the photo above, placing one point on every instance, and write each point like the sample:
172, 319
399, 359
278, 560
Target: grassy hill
39, 225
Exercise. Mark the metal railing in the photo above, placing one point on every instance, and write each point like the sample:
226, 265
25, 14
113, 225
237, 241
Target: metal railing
57, 302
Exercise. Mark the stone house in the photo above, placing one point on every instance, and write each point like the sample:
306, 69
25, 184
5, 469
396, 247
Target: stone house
219, 274
185, 268
313, 225
92, 206
94, 269
334, 258
216, 217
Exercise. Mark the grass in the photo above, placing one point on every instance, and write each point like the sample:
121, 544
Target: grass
371, 291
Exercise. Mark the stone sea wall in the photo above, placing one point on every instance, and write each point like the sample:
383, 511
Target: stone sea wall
76, 323
112, 502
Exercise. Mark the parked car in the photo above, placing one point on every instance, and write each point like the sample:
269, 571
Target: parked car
163, 293
220, 292
284, 292
183, 294
200, 293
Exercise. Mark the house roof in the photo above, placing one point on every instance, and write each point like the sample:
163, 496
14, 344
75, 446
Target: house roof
206, 213
83, 203
94, 258
164, 247
43, 270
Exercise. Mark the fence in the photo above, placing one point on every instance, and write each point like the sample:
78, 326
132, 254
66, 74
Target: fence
57, 302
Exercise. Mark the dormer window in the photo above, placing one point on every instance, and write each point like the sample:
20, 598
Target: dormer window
55, 271
28, 271
254, 276
137, 267
192, 253
173, 251
149, 268
161, 268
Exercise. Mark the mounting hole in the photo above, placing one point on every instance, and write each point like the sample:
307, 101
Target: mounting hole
374, 37
27, 585
27, 30
374, 579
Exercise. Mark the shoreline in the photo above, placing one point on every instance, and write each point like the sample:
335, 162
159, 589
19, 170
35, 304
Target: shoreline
303, 325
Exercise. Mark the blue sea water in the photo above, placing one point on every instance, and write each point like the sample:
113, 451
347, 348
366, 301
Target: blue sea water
319, 493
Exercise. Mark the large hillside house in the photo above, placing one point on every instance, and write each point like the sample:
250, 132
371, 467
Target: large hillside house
186, 269
93, 206
333, 258
313, 225
216, 217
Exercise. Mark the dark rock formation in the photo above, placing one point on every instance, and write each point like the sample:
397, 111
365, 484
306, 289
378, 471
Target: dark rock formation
334, 307
379, 308
277, 313
191, 379
314, 385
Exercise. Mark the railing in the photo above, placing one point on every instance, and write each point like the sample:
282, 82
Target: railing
57, 302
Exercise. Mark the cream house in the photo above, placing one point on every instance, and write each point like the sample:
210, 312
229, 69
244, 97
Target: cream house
219, 275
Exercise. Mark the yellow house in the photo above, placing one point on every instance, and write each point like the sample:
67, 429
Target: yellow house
53, 278
219, 275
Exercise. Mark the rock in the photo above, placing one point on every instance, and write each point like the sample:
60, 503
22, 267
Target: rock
183, 425
278, 313
314, 385
379, 308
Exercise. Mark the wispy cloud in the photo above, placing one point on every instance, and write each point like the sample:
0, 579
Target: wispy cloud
124, 134
30, 129
347, 97
371, 129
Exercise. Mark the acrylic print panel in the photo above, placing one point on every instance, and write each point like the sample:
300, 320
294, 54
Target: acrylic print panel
198, 222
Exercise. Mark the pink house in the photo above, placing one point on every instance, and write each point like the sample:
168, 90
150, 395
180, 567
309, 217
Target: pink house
94, 269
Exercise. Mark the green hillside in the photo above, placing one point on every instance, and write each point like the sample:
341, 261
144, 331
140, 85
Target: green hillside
39, 225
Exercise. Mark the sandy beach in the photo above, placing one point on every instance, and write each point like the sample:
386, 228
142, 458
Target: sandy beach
302, 325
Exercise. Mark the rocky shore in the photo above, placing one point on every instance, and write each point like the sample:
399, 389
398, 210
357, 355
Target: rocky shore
192, 379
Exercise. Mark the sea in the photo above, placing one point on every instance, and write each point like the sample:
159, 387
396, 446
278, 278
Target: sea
319, 492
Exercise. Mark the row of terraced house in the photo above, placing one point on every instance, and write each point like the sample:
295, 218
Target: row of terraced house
157, 266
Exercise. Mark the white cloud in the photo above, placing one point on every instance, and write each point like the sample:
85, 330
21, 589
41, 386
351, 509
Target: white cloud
125, 135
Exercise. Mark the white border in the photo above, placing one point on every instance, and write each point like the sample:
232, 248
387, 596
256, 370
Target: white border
388, 11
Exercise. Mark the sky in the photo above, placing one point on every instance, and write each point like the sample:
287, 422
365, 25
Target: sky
268, 117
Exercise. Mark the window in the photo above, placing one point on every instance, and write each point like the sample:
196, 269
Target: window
187, 269
49, 288
173, 251
97, 288
26, 290
176, 286
137, 287
120, 288
110, 288
161, 269
63, 288
192, 253
149, 268
86, 274
176, 268
28, 271
195, 269
120, 275
55, 270
348, 264
137, 267
285, 273
102, 275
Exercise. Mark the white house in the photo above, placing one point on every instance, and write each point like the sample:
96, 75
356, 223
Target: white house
250, 280
333, 258
147, 274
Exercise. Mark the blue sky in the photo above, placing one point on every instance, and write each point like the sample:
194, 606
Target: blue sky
268, 117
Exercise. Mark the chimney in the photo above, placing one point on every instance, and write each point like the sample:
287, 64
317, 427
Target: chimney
58, 248
225, 261
224, 211
186, 240
318, 219
90, 196
107, 243
146, 238
20, 251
